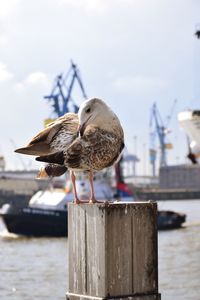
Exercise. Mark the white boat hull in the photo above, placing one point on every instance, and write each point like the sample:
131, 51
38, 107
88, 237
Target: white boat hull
190, 122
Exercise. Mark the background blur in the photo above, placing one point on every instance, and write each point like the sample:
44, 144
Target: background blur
131, 53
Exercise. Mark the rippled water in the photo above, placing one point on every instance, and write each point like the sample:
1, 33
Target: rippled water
179, 254
33, 268
37, 268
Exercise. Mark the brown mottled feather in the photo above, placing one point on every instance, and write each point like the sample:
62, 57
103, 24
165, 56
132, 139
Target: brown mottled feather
97, 149
48, 141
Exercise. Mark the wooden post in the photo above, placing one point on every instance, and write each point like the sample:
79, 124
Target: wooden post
113, 251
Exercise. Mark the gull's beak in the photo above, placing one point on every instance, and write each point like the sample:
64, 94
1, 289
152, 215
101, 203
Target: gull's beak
81, 129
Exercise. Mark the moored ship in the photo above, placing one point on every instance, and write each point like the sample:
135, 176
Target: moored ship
189, 120
47, 215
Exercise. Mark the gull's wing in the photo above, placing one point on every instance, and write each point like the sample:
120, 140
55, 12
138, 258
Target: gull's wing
40, 144
59, 133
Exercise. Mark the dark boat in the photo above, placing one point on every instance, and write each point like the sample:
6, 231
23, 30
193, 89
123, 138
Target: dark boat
170, 220
38, 222
31, 221
46, 213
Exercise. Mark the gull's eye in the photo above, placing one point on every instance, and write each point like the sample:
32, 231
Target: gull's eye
87, 110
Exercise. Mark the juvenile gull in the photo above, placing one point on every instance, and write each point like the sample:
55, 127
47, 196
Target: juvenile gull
89, 141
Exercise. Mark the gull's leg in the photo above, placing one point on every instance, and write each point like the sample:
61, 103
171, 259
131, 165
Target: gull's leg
73, 180
92, 196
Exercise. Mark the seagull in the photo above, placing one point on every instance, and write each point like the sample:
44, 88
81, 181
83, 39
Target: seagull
89, 141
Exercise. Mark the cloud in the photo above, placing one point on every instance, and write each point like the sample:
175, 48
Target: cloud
100, 7
7, 7
3, 40
7, 10
139, 83
4, 73
37, 78
33, 79
90, 6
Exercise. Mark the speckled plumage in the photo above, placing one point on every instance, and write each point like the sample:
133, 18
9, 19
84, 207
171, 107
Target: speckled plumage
96, 149
91, 140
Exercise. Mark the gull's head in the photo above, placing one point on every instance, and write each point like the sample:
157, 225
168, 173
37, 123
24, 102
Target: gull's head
94, 111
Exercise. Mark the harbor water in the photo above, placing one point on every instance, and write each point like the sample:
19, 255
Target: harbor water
36, 268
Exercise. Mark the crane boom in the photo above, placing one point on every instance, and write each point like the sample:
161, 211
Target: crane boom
61, 94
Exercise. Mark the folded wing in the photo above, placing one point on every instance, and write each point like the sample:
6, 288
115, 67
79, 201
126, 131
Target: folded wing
55, 138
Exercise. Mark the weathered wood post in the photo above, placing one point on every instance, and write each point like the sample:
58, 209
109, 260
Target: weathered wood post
113, 251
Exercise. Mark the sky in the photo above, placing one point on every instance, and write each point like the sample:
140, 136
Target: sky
131, 53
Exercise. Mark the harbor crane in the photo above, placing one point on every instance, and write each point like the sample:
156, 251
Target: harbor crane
61, 94
160, 129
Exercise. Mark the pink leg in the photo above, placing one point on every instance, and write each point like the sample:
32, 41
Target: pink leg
92, 196
73, 180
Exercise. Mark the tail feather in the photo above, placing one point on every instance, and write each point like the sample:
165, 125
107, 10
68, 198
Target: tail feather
55, 158
51, 170
36, 149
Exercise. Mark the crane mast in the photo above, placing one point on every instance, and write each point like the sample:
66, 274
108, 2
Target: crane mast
159, 129
61, 94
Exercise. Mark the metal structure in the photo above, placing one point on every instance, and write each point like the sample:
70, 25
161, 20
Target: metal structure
160, 129
61, 94
197, 31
